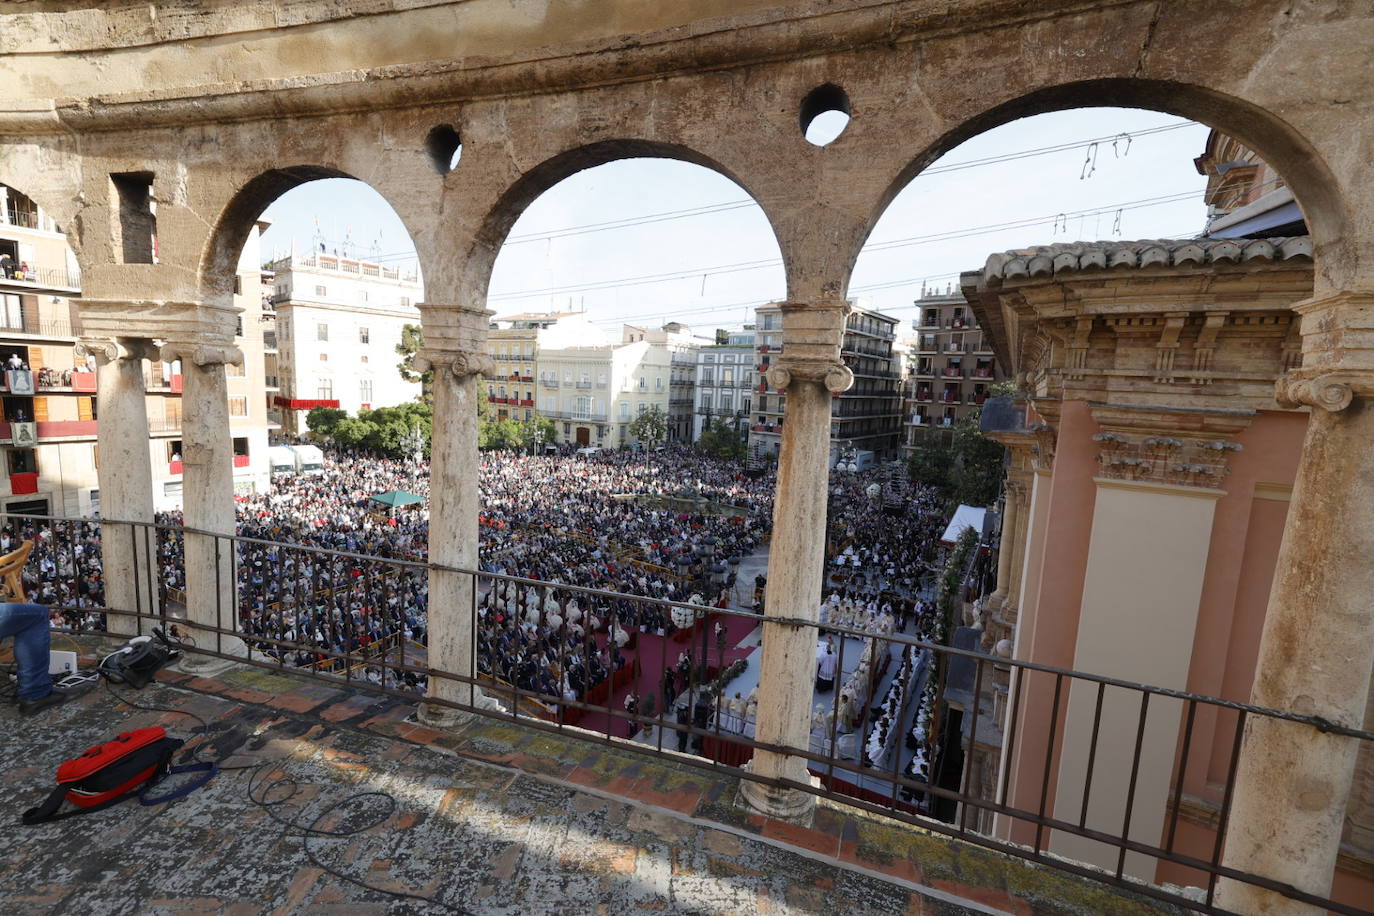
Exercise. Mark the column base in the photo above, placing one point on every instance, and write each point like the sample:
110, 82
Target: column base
447, 718
781, 804
212, 665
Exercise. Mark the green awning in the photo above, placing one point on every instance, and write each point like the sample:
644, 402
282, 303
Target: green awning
397, 498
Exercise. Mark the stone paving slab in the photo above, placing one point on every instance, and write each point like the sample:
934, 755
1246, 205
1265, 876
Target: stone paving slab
493, 819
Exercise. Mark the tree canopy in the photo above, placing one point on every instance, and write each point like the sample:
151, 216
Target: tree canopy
719, 440
650, 427
966, 468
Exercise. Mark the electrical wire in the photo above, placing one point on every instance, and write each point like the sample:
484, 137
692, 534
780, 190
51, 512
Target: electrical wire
910, 241
291, 787
725, 206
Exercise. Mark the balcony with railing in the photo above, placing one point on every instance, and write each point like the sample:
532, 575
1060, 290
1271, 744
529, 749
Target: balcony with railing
1182, 753
41, 278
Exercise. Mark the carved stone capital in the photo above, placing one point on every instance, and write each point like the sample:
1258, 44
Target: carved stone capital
201, 354
461, 363
812, 334
455, 338
205, 323
1332, 391
106, 350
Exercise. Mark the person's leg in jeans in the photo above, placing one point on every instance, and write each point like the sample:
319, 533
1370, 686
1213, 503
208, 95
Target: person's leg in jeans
28, 624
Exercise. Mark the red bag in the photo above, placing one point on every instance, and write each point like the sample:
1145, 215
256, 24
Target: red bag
108, 773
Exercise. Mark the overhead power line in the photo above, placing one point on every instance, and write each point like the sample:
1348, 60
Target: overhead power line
1125, 137
715, 270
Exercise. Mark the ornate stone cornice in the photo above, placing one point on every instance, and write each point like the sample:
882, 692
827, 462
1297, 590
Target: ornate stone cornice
812, 333
454, 340
1167, 447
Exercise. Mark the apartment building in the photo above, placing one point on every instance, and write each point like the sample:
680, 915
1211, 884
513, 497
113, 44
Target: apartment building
682, 348
514, 342
867, 417
593, 394
50, 411
951, 369
725, 379
338, 322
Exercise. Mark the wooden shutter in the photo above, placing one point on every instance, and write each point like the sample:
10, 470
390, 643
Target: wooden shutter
40, 410
35, 359
83, 409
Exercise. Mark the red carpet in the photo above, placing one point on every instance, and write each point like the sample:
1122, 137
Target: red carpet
654, 653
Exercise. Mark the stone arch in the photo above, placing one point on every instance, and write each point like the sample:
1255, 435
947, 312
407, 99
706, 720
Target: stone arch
496, 223
219, 260
1279, 143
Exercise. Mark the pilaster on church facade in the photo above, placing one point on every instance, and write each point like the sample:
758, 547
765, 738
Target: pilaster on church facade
1147, 430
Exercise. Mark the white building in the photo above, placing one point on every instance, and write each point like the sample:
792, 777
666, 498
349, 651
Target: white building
725, 380
682, 346
593, 394
339, 321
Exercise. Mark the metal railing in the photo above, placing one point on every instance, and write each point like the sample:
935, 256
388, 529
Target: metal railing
1072, 739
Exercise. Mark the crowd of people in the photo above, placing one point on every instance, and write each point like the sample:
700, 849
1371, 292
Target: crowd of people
311, 594
328, 578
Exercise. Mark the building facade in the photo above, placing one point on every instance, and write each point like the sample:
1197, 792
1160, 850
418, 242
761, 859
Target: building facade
951, 368
866, 417
514, 343
682, 346
51, 412
593, 394
338, 323
725, 380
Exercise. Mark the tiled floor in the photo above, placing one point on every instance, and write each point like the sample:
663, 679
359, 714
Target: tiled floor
494, 819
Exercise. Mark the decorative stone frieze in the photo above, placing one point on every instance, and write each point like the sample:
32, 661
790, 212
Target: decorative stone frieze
812, 333
454, 340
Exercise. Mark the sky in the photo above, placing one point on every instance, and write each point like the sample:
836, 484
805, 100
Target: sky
697, 250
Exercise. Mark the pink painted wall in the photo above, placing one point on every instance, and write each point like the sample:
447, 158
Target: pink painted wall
1068, 529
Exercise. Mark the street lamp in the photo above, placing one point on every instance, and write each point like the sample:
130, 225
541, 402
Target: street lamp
413, 445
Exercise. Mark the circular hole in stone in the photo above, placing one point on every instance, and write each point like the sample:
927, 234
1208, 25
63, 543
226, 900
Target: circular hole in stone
445, 148
824, 114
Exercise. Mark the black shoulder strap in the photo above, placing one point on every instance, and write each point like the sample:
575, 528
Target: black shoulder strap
47, 811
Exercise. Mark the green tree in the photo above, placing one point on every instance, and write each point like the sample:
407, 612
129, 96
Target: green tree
322, 420
931, 462
978, 463
650, 427
966, 468
720, 440
412, 339
537, 432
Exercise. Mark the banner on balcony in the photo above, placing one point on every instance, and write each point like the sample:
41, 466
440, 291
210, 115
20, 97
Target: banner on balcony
19, 381
25, 435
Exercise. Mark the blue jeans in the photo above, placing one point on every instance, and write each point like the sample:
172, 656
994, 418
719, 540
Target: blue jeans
28, 624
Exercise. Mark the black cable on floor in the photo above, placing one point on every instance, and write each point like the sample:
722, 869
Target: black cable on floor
291, 787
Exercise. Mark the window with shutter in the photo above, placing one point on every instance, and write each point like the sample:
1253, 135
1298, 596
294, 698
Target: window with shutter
40, 410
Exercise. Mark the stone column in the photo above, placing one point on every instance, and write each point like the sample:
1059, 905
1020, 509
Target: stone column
811, 372
1006, 547
1317, 650
454, 347
208, 497
128, 552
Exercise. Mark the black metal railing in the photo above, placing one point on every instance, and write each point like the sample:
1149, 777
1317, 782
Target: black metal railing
1091, 775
